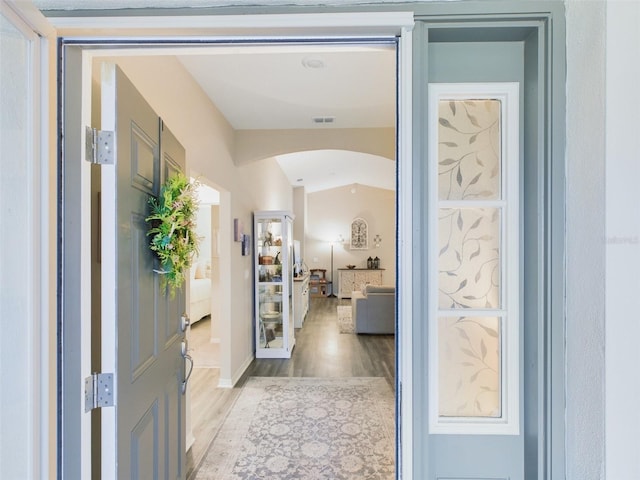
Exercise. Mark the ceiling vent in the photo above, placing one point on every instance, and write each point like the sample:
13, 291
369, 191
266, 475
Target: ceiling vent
323, 119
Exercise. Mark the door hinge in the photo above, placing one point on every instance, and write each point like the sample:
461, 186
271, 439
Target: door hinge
99, 146
98, 391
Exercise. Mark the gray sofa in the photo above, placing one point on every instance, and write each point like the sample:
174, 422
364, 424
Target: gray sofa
373, 310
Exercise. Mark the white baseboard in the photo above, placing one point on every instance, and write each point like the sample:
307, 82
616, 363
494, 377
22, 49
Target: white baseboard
190, 441
225, 383
230, 382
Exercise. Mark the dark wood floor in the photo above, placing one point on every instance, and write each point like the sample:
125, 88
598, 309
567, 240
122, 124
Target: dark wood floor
321, 351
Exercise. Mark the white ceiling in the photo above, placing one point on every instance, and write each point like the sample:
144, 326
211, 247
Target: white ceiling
286, 86
325, 169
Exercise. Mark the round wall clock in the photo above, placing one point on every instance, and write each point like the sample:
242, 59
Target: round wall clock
359, 234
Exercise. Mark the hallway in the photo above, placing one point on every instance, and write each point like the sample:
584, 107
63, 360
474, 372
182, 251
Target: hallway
321, 351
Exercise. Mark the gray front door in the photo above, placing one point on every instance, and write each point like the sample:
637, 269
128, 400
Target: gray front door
142, 339
479, 385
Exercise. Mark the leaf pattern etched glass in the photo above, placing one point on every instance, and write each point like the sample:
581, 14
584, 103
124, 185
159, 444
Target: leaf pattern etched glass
469, 374
469, 258
469, 150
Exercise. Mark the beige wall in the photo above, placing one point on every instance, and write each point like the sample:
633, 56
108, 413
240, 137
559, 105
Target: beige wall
329, 214
203, 230
254, 145
300, 212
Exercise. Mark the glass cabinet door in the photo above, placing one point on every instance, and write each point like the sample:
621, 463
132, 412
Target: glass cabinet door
274, 284
271, 334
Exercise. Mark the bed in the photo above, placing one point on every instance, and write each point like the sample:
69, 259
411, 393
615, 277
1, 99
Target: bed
200, 292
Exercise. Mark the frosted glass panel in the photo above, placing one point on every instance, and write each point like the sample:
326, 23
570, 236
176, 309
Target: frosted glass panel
16, 254
469, 367
469, 150
469, 258
474, 333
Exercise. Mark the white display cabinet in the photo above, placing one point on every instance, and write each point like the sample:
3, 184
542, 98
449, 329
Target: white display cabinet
273, 240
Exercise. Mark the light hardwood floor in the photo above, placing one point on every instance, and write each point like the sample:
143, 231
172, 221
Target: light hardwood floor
321, 351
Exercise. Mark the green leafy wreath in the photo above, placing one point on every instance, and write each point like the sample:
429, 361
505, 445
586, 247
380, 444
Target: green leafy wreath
172, 230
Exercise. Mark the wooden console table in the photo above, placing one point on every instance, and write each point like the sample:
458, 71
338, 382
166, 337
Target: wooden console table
350, 280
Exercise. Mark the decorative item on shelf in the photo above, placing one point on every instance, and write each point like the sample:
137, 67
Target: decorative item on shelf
172, 230
267, 241
265, 260
370, 263
377, 240
351, 267
376, 263
318, 275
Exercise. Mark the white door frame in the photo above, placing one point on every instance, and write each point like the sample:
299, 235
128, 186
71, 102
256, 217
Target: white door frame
40, 373
325, 26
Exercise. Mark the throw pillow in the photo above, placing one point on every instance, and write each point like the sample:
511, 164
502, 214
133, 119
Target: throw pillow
201, 271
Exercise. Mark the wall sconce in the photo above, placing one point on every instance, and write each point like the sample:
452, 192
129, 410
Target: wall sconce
377, 240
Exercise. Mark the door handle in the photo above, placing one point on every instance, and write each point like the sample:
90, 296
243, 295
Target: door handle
185, 321
188, 375
187, 358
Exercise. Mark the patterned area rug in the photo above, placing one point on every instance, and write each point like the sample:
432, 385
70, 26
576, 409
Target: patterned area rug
306, 429
345, 322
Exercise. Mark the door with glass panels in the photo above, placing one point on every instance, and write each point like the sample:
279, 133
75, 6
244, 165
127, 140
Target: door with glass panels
474, 360
474, 363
